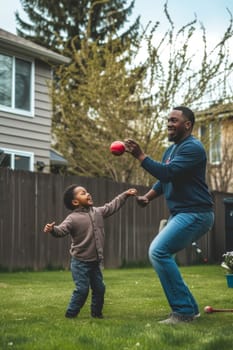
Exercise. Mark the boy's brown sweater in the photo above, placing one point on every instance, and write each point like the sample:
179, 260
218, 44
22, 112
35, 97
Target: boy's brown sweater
86, 228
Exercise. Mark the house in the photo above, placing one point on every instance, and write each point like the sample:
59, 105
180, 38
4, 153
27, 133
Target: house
214, 127
25, 105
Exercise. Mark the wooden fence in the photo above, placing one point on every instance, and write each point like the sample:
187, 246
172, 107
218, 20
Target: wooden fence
29, 200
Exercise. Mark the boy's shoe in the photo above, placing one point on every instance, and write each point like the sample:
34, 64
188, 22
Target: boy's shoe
176, 318
71, 315
95, 315
197, 315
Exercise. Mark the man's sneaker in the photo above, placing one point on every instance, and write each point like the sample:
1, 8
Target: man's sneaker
176, 318
95, 315
197, 315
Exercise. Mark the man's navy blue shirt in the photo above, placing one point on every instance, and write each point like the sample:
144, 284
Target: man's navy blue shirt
181, 177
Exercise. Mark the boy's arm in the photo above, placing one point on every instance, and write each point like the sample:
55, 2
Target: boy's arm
49, 227
131, 192
61, 230
112, 207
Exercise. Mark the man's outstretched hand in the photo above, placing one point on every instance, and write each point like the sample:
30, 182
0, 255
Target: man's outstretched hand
133, 147
142, 201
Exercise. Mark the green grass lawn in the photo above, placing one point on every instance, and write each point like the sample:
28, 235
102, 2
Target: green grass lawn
33, 304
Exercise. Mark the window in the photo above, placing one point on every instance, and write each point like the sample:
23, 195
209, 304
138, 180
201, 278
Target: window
215, 143
17, 160
16, 76
210, 135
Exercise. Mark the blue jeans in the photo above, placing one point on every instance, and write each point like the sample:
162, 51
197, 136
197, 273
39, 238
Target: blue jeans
180, 231
86, 275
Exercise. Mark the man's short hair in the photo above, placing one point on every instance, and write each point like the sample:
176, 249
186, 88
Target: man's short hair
187, 112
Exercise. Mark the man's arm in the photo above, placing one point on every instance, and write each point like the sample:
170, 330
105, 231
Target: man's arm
147, 197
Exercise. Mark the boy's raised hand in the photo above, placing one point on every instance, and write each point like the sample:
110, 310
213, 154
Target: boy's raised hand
131, 192
49, 227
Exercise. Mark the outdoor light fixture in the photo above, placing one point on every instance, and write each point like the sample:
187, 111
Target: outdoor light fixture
40, 165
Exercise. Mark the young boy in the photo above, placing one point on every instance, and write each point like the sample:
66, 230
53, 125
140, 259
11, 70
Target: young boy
86, 227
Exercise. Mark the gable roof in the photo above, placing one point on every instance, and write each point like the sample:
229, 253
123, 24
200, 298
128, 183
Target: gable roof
220, 110
21, 45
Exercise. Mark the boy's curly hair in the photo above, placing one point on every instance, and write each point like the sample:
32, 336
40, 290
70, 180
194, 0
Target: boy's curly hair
68, 196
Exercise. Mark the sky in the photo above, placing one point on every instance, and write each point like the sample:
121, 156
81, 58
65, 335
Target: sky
212, 13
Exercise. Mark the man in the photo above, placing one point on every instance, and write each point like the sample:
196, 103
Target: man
181, 179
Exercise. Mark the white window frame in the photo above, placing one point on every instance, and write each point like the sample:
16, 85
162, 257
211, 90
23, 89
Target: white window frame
12, 109
13, 153
215, 143
212, 141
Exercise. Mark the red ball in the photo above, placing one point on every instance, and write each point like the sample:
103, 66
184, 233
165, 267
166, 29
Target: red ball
208, 309
117, 148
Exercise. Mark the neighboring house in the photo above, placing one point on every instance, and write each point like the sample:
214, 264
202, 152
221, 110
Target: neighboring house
25, 105
214, 126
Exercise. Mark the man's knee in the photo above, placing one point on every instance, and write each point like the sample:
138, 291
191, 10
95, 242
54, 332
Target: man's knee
153, 254
157, 253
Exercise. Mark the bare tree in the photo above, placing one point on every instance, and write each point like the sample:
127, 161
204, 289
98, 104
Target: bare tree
115, 97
